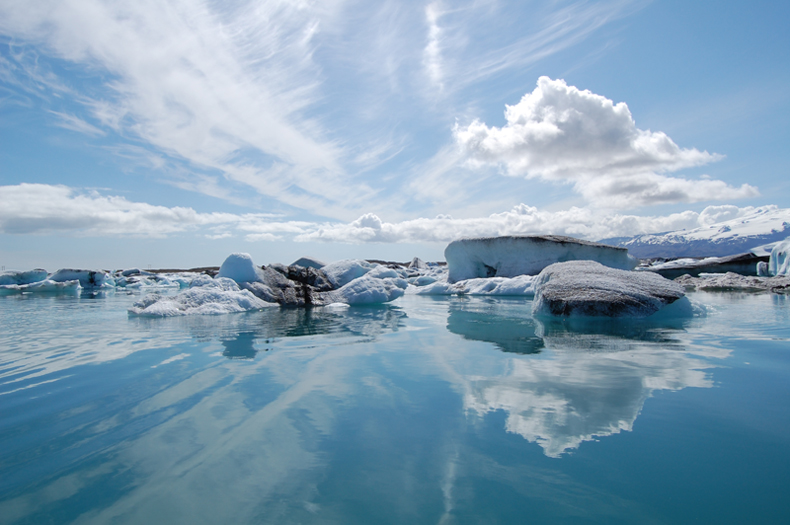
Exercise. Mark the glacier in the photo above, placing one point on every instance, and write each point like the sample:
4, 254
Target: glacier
525, 255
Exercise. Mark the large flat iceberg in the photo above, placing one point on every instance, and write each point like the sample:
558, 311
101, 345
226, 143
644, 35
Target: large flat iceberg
528, 255
587, 288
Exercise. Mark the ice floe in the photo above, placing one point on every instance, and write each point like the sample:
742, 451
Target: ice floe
528, 255
587, 288
206, 296
15, 277
87, 278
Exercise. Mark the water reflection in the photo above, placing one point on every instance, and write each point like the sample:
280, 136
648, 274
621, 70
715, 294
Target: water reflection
503, 322
591, 380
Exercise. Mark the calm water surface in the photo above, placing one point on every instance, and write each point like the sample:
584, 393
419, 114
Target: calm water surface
451, 410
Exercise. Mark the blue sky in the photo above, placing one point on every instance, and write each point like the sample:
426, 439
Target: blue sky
174, 133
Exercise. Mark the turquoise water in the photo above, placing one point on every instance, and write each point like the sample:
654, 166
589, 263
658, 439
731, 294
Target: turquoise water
450, 410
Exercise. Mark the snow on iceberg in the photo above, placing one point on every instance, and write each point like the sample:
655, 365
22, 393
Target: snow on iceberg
588, 288
527, 255
87, 278
206, 296
779, 263
15, 277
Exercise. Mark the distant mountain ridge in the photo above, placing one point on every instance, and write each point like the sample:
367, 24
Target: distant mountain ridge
763, 225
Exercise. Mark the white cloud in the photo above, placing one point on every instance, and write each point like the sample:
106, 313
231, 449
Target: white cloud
585, 223
560, 133
75, 123
202, 84
42, 208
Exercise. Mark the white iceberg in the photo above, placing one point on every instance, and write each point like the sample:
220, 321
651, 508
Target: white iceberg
206, 296
369, 289
87, 278
521, 285
240, 268
309, 262
15, 277
341, 273
45, 286
779, 263
587, 288
511, 256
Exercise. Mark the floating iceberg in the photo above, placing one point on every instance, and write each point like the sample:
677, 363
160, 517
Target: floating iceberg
87, 278
308, 262
744, 264
521, 285
240, 268
733, 282
511, 256
587, 288
14, 277
206, 296
779, 263
45, 286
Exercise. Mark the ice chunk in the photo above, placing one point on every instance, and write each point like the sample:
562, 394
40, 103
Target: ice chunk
587, 288
23, 277
240, 268
87, 278
418, 264
308, 262
779, 264
521, 285
341, 273
206, 296
45, 286
368, 289
511, 256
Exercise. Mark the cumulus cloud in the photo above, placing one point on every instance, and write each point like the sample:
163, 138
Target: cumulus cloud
563, 134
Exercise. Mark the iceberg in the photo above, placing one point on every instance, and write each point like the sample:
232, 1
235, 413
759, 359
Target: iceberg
15, 277
240, 268
588, 288
733, 282
308, 262
744, 264
206, 296
521, 285
45, 286
779, 263
528, 255
87, 278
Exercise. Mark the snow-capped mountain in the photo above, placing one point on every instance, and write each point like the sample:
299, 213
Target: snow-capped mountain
763, 225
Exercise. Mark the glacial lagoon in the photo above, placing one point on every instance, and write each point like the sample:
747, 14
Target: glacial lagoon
423, 410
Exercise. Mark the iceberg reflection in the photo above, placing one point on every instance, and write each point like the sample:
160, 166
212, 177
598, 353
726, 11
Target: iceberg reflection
591, 379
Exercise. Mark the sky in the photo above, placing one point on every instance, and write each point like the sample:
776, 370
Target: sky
169, 134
